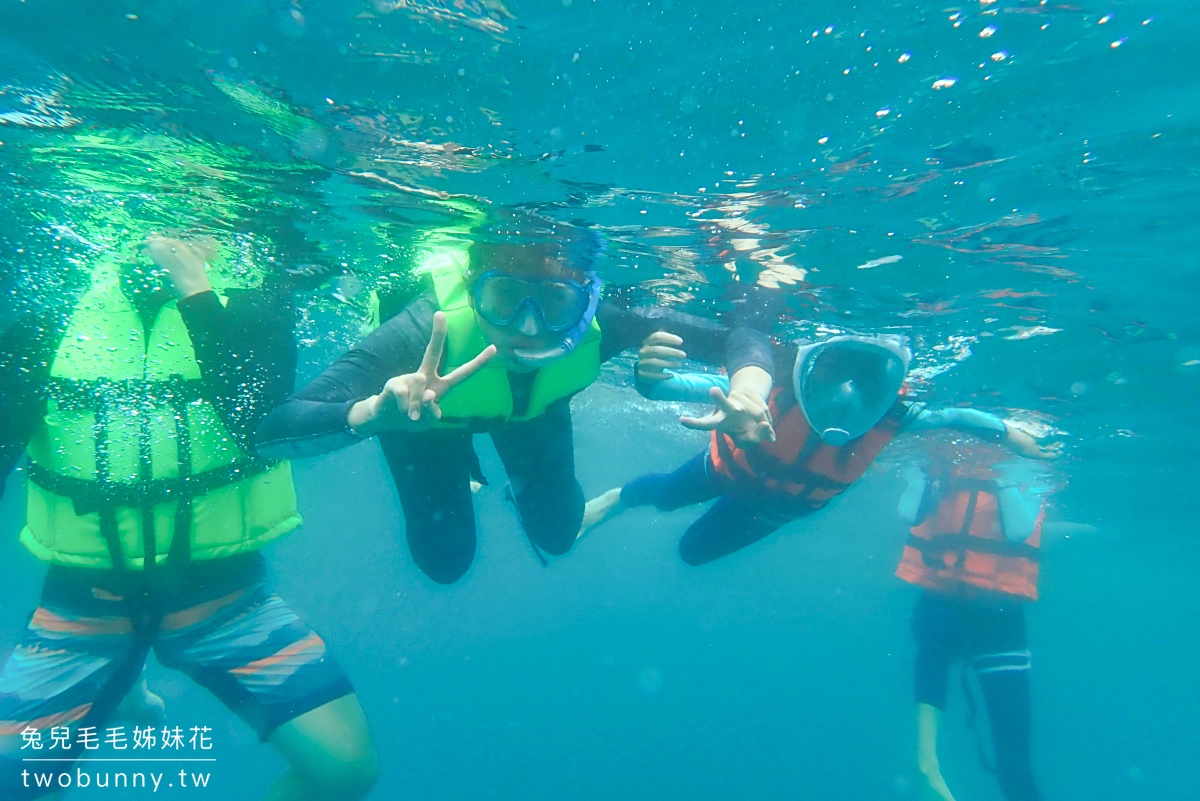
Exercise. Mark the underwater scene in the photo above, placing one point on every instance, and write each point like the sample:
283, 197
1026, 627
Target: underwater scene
591, 399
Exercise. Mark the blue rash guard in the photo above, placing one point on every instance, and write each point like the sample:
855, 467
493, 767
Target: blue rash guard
685, 387
1019, 494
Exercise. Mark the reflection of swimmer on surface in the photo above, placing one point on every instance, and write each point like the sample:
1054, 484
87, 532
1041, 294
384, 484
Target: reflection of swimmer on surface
31, 92
483, 15
512, 327
150, 510
734, 236
843, 405
977, 518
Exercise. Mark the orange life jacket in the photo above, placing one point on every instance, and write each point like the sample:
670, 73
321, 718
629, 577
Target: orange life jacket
960, 545
798, 467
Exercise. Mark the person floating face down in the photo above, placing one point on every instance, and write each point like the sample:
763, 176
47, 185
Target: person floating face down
134, 405
843, 405
976, 514
513, 327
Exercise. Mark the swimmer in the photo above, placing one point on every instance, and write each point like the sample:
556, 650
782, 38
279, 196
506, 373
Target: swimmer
150, 510
512, 326
818, 435
977, 516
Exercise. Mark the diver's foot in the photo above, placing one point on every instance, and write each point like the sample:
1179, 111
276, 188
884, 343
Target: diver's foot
142, 707
600, 509
932, 788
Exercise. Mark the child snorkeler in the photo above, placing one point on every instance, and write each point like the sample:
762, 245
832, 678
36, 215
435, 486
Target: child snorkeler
844, 404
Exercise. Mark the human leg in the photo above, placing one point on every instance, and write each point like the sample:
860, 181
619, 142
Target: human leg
937, 630
929, 723
728, 526
329, 754
141, 706
77, 660
258, 657
689, 484
1003, 671
539, 457
432, 473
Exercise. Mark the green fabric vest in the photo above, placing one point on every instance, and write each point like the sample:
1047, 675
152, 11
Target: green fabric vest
124, 409
487, 394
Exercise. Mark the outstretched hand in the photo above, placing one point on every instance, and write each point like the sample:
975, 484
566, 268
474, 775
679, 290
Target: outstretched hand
1023, 444
660, 353
742, 414
410, 402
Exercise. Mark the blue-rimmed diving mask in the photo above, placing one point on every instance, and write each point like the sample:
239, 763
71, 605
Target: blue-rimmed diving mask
560, 305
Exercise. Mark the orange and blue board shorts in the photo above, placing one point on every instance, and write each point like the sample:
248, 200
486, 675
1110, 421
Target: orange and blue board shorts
217, 621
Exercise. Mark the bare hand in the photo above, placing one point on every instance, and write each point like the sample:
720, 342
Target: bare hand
743, 415
1023, 444
659, 353
186, 262
410, 402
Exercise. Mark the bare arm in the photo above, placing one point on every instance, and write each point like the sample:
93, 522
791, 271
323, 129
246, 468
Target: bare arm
985, 426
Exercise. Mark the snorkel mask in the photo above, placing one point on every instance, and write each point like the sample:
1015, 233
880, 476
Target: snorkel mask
846, 384
561, 305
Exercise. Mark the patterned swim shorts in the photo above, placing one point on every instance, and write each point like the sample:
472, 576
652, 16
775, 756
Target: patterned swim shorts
217, 621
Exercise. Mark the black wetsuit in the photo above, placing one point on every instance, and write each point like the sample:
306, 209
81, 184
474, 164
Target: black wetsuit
432, 469
730, 524
988, 636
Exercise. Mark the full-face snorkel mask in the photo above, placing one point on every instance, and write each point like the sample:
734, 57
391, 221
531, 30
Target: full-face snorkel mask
846, 384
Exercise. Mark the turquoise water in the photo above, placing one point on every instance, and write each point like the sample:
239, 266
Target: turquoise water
1031, 165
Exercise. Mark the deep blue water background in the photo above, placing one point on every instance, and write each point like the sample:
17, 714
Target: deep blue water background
784, 671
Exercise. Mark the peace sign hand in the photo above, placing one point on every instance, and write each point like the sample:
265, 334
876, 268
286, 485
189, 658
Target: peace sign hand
742, 414
410, 402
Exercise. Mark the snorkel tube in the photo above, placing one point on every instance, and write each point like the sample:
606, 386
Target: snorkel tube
846, 384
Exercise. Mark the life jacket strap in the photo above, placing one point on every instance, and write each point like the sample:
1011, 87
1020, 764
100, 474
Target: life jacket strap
932, 550
75, 395
965, 531
95, 496
180, 550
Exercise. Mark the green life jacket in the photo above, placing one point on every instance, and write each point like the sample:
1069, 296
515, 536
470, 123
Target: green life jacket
487, 394
131, 463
